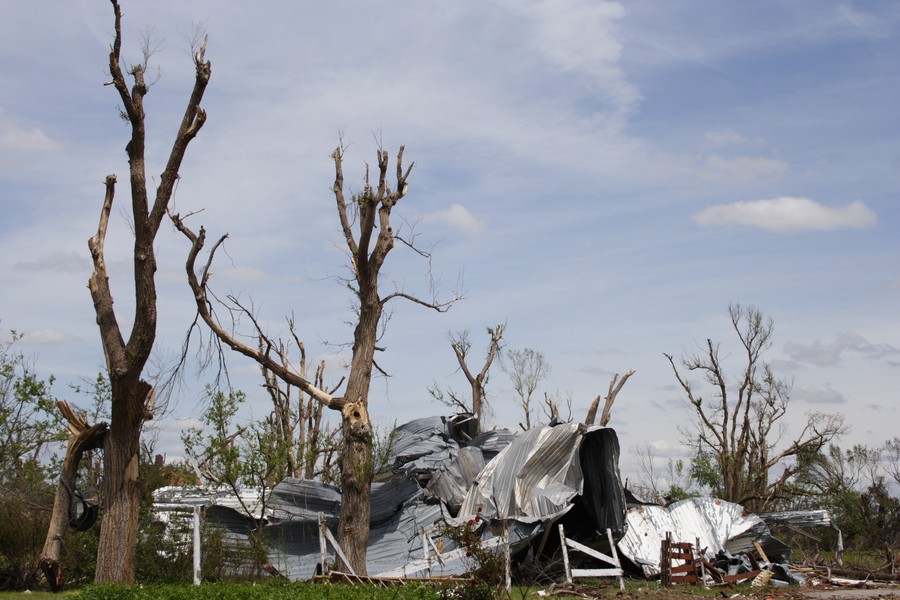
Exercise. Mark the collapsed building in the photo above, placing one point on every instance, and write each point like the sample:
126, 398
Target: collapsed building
520, 486
441, 474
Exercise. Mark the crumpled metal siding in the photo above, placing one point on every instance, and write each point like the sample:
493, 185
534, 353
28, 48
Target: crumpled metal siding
492, 442
299, 499
714, 522
450, 482
799, 518
422, 445
532, 479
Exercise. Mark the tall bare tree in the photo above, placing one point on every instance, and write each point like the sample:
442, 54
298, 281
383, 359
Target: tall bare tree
526, 369
461, 346
369, 236
737, 429
132, 396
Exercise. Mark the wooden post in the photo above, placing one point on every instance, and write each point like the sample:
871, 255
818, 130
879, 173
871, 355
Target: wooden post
565, 553
323, 545
506, 557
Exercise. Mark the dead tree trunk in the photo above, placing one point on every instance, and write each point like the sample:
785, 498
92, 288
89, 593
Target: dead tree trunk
82, 437
615, 386
132, 396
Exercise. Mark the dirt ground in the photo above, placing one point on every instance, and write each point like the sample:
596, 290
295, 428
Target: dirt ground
836, 594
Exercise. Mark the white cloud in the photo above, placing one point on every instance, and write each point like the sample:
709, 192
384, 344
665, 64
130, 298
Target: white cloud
582, 37
244, 274
459, 217
16, 140
815, 394
743, 169
59, 261
869, 25
828, 354
788, 214
46, 337
726, 137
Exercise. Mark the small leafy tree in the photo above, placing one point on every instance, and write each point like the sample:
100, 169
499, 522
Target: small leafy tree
235, 457
30, 430
216, 449
29, 423
851, 483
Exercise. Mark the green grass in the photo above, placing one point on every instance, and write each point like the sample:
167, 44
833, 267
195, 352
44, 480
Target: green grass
336, 592
37, 595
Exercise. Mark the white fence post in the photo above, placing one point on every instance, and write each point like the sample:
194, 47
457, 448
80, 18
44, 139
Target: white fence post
197, 545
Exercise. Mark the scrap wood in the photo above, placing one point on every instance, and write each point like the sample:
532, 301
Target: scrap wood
738, 577
570, 589
866, 575
713, 571
759, 549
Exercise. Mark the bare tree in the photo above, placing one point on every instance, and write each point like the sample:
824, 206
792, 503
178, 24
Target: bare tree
737, 430
131, 396
527, 369
615, 386
461, 346
297, 425
369, 237
892, 459
551, 406
662, 487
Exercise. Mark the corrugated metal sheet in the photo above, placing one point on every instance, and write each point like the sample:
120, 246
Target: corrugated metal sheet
719, 525
492, 442
799, 518
534, 478
451, 482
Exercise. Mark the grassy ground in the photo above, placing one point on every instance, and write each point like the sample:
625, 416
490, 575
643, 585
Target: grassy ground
634, 589
37, 595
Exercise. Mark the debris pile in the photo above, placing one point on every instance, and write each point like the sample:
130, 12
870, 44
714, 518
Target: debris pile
441, 475
712, 542
525, 489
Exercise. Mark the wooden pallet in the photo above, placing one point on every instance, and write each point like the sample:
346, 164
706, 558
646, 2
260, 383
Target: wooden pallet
679, 563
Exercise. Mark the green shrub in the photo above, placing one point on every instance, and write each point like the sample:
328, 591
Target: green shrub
23, 528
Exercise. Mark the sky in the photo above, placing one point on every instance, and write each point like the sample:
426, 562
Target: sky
604, 178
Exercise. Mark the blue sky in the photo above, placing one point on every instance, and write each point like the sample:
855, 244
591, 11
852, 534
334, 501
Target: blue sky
603, 177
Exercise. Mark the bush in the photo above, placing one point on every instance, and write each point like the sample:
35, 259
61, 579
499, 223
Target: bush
23, 527
486, 565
